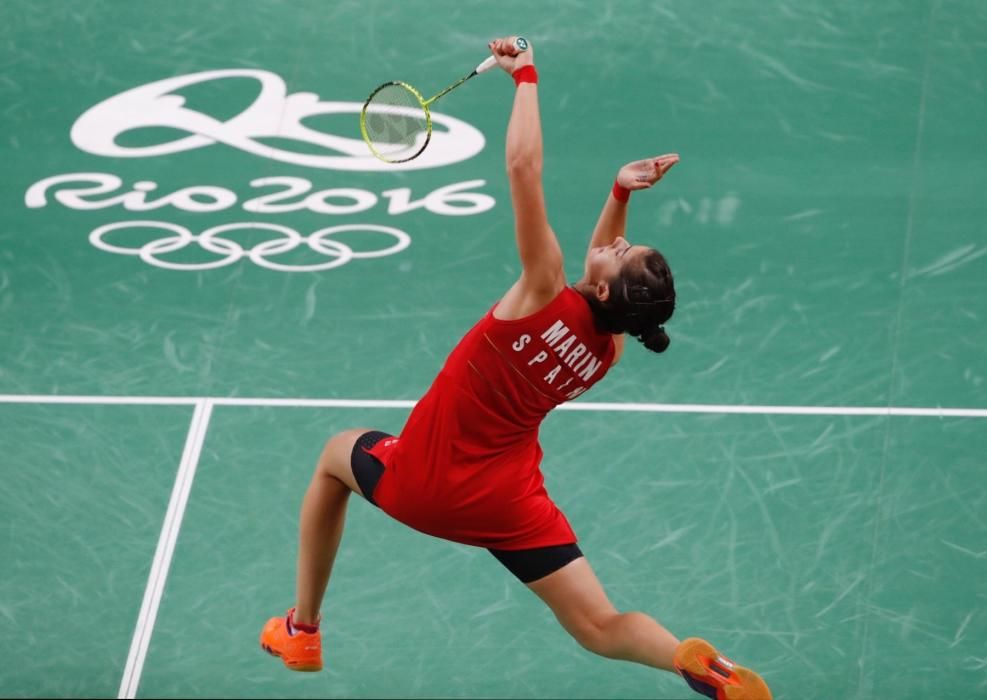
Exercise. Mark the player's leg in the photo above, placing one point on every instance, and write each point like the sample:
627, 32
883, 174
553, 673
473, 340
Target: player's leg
321, 523
581, 605
579, 602
295, 638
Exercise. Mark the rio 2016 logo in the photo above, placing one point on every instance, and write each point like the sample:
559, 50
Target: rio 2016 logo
273, 114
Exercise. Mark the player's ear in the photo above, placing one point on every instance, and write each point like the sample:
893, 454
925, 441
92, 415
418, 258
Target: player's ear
602, 291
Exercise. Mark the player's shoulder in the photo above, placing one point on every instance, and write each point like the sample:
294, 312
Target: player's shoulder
527, 297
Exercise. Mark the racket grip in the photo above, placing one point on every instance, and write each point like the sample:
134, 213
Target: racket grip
487, 64
520, 44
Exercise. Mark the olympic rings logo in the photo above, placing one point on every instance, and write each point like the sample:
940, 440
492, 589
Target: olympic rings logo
210, 240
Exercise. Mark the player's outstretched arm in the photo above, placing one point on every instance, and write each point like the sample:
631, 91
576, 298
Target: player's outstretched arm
541, 256
638, 175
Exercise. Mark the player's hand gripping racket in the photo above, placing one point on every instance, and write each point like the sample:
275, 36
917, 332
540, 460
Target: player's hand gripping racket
395, 121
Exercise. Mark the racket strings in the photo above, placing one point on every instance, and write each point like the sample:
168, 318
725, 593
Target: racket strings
395, 121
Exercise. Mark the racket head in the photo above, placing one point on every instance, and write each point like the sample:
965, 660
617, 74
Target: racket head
395, 122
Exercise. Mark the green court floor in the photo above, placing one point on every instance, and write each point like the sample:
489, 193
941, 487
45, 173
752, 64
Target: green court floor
800, 478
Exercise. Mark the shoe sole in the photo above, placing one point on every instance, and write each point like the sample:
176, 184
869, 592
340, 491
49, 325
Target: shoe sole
304, 668
702, 661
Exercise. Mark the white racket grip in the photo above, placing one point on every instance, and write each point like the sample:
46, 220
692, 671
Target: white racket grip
487, 64
520, 43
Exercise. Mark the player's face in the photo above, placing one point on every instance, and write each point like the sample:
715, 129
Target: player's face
606, 262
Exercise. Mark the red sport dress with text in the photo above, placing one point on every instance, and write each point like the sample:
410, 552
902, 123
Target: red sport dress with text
466, 467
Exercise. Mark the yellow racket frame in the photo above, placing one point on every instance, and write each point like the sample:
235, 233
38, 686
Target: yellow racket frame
520, 44
424, 105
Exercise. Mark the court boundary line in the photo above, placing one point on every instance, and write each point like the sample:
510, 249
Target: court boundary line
165, 550
891, 411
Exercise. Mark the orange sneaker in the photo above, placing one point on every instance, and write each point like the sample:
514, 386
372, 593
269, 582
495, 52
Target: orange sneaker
711, 674
300, 651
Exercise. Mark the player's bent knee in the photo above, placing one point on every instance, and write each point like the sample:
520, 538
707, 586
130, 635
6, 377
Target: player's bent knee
591, 639
335, 459
591, 633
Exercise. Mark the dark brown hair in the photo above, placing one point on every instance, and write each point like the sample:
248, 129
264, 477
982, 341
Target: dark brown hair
641, 300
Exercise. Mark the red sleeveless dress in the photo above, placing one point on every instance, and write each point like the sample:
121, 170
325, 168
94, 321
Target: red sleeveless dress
466, 466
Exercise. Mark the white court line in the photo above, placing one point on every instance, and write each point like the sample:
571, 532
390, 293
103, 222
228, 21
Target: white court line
317, 403
103, 400
780, 410
166, 548
898, 411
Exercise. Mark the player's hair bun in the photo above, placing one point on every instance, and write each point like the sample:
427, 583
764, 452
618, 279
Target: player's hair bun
655, 340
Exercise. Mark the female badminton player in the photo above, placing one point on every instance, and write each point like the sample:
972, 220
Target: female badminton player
466, 465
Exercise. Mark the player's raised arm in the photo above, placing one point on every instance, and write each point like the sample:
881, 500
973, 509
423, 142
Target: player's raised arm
638, 175
541, 256
612, 223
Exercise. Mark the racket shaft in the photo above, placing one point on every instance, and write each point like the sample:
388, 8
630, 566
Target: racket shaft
489, 62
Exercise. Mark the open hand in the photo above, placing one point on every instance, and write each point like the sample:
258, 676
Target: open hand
642, 174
